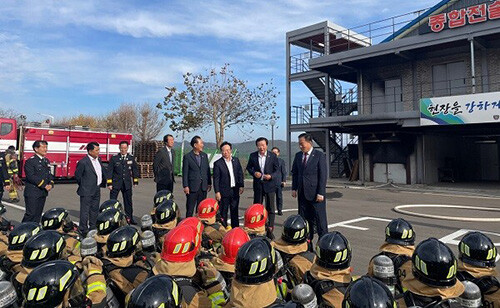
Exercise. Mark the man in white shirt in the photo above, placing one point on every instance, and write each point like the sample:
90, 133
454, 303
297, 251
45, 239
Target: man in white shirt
89, 175
264, 168
228, 184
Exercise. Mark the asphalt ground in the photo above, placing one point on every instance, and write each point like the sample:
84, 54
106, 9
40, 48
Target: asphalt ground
361, 214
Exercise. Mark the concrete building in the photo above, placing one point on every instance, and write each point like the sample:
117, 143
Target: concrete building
415, 97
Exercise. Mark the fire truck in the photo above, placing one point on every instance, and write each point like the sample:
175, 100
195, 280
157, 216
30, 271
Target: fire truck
66, 144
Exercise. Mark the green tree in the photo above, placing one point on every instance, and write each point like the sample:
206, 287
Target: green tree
218, 99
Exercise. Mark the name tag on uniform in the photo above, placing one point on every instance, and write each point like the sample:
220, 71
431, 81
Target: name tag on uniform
129, 162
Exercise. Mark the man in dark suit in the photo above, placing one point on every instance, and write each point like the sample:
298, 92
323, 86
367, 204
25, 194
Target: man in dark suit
122, 174
196, 177
228, 184
163, 165
309, 185
264, 168
89, 175
39, 181
281, 180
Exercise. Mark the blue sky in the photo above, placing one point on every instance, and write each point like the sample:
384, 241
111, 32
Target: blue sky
69, 57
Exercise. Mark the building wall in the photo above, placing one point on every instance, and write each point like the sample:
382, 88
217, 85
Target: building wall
487, 71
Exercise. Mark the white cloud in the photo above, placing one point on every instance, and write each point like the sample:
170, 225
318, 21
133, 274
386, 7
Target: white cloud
250, 20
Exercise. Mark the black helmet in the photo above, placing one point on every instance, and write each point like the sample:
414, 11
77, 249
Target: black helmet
22, 233
42, 247
110, 220
48, 284
295, 230
255, 262
434, 264
110, 204
333, 251
122, 242
156, 291
55, 218
477, 249
166, 211
368, 292
400, 232
161, 196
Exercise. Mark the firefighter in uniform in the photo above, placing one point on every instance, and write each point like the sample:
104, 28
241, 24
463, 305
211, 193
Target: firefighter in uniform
58, 284
4, 176
253, 284
58, 219
231, 243
40, 248
11, 260
399, 247
39, 181
214, 232
121, 266
107, 222
433, 282
122, 174
200, 287
255, 220
330, 274
159, 197
293, 248
111, 204
13, 171
157, 291
368, 292
165, 219
477, 255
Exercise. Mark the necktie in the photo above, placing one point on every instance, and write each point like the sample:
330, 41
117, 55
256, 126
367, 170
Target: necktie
304, 161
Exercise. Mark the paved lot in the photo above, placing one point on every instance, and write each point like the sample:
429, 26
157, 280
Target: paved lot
360, 214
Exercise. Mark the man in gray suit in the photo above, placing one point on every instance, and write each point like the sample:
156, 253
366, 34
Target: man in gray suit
196, 177
163, 165
89, 175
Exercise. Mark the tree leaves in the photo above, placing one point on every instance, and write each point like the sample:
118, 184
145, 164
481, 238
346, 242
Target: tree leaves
218, 99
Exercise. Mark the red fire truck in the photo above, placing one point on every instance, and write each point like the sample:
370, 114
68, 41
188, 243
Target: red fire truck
66, 144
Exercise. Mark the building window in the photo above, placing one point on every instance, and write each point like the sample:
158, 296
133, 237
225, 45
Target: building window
449, 79
387, 96
5, 128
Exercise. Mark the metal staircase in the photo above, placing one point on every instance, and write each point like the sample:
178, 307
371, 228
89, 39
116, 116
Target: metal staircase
341, 104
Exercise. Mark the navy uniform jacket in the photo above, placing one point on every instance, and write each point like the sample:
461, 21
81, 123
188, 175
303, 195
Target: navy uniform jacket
37, 171
271, 167
312, 178
222, 179
122, 172
196, 176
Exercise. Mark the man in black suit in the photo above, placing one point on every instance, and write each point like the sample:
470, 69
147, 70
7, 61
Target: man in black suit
196, 177
122, 174
309, 185
281, 180
89, 175
39, 181
264, 168
228, 184
163, 165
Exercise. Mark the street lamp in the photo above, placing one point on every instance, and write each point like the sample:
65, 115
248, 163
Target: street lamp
272, 122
